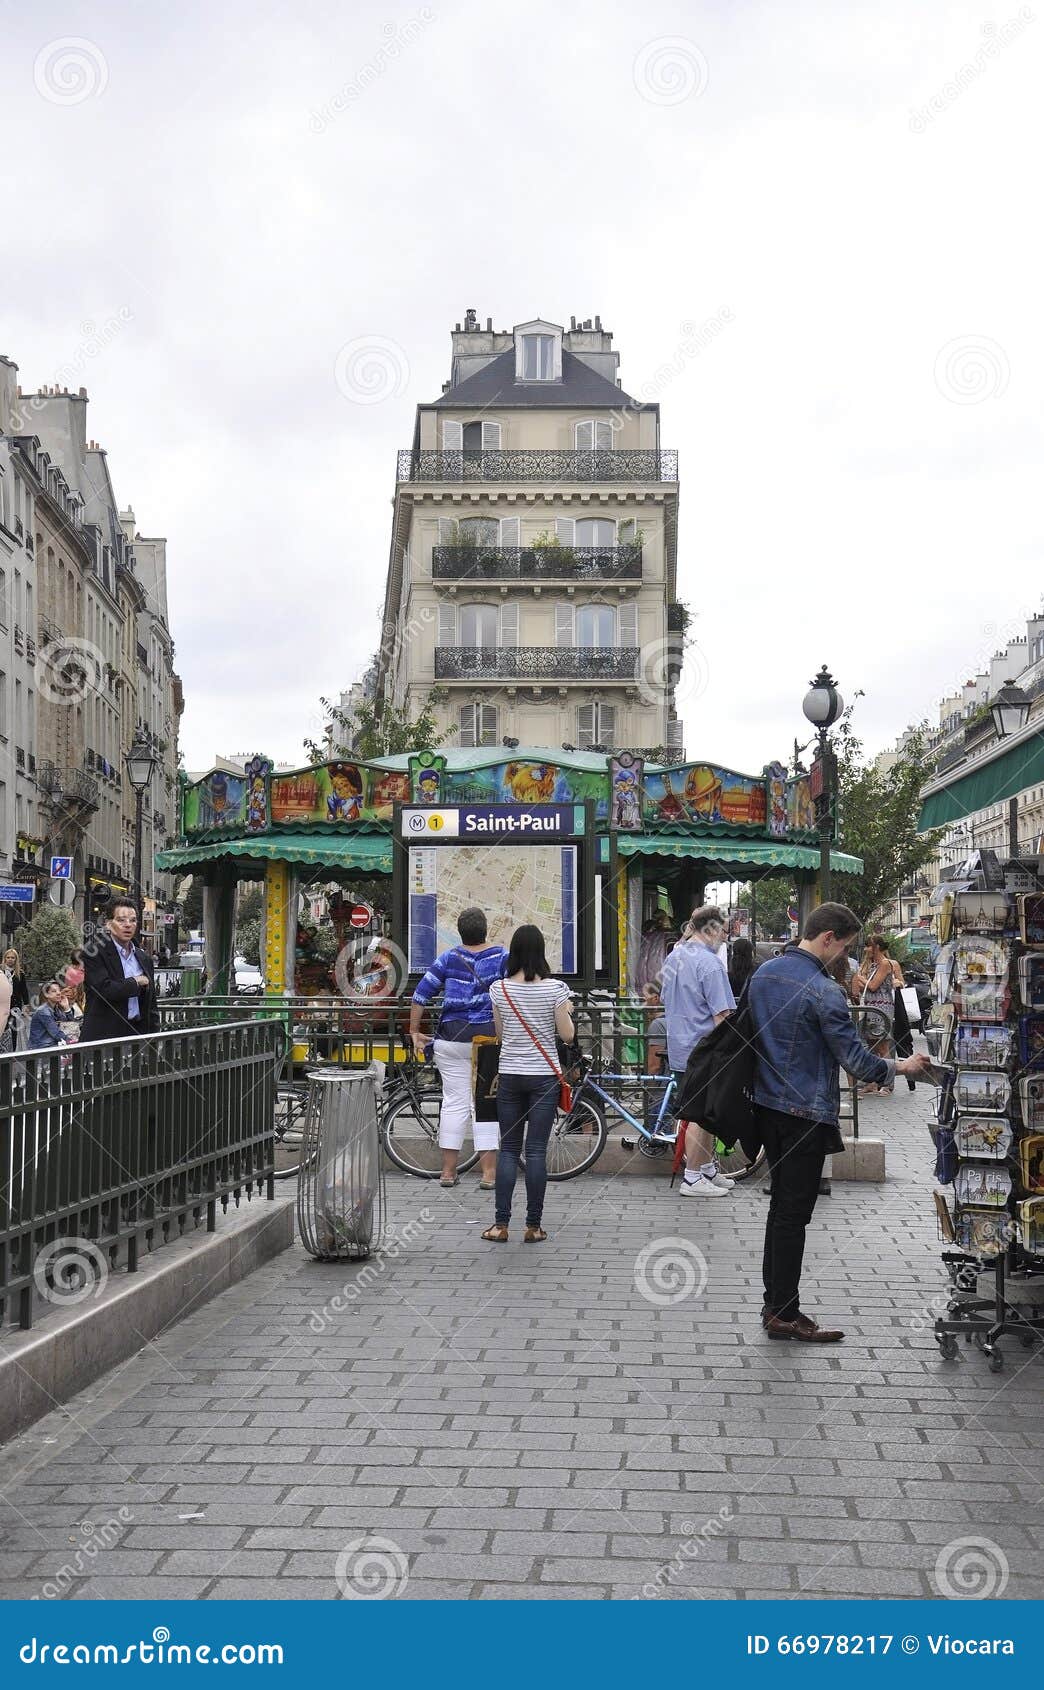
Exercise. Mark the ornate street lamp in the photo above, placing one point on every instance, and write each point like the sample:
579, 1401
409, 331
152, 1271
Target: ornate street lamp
1009, 710
822, 706
141, 760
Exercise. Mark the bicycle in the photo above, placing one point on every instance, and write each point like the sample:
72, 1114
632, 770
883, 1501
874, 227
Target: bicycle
410, 1110
590, 1103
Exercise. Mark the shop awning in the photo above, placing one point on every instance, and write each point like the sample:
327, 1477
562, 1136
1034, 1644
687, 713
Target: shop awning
367, 853
729, 853
988, 783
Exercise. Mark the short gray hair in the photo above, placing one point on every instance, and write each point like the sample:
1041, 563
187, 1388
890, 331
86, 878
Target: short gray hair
708, 916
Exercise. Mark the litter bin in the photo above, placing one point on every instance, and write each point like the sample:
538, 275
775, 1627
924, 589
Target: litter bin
340, 1185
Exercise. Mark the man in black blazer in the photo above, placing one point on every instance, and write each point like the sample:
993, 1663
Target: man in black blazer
118, 980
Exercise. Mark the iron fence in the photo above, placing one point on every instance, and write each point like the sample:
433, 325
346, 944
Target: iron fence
524, 662
107, 1148
550, 466
536, 563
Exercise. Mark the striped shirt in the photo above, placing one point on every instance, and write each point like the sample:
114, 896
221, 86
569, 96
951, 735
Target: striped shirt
537, 1000
464, 978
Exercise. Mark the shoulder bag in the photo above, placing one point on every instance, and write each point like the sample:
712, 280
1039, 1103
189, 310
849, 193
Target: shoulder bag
565, 1090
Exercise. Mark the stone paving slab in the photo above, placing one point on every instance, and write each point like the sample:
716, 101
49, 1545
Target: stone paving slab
551, 1423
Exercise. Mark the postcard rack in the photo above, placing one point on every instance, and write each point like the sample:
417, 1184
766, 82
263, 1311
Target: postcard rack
990, 1121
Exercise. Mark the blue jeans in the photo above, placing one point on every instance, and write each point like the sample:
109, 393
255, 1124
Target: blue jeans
525, 1103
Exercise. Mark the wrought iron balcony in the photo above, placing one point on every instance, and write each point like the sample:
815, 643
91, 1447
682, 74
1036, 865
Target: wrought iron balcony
536, 563
536, 663
68, 786
554, 467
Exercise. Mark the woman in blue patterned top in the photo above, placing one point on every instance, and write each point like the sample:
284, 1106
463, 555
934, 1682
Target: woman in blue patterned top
463, 975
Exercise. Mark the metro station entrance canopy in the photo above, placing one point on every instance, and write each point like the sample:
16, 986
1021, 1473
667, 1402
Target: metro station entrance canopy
660, 832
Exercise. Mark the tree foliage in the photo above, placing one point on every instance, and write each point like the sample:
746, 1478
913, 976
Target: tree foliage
877, 817
46, 943
375, 729
772, 899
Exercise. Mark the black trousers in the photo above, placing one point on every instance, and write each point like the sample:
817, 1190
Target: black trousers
796, 1149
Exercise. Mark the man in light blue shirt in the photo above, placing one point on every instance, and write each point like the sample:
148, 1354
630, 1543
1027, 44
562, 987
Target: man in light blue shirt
696, 996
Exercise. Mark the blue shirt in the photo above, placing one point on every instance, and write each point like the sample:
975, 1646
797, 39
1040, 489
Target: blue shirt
131, 970
695, 992
464, 978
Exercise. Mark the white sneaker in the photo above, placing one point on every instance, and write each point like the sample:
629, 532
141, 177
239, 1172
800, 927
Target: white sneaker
722, 1181
702, 1188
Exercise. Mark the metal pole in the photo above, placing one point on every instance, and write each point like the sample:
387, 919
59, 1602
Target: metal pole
753, 912
826, 822
139, 805
1013, 827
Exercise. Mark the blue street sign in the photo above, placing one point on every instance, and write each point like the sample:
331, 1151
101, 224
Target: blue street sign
23, 894
61, 868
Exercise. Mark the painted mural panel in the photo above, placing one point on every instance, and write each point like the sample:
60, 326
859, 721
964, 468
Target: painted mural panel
703, 792
218, 800
341, 791
801, 811
524, 782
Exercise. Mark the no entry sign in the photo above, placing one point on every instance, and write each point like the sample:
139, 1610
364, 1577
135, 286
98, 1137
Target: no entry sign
361, 915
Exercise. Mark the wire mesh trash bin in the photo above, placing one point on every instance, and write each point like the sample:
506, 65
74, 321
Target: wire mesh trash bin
340, 1185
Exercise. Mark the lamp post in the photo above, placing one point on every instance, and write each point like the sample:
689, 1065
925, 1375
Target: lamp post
141, 760
822, 706
1009, 710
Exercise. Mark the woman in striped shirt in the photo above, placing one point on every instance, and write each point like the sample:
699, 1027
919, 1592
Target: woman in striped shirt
529, 1008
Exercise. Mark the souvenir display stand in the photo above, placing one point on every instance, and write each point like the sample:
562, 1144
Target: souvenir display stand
988, 1041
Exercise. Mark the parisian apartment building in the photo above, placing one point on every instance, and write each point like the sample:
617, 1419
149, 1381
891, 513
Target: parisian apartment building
986, 790
86, 664
533, 564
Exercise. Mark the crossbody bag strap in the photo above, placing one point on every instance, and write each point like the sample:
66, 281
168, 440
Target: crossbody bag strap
515, 1009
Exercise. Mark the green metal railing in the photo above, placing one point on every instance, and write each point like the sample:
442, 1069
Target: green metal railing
108, 1148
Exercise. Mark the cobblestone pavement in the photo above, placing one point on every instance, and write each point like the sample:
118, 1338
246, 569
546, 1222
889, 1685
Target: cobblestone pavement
531, 1422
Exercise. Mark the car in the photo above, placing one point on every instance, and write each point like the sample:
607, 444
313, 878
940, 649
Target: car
248, 978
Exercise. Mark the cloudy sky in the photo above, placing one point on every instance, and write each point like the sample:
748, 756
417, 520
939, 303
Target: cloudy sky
248, 230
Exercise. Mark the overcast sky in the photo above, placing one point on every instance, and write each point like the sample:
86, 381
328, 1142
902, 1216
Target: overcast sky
213, 212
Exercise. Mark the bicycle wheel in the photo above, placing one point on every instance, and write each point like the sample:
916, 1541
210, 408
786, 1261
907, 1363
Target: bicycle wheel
735, 1165
291, 1103
576, 1142
410, 1135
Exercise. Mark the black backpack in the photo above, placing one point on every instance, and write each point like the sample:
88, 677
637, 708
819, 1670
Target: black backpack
718, 1079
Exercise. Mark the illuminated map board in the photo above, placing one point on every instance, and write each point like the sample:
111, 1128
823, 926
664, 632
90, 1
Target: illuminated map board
518, 863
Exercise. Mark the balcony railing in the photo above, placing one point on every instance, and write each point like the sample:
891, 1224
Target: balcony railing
548, 467
68, 786
536, 563
536, 663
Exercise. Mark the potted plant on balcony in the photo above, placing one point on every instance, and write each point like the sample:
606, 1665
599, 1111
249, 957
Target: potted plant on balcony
552, 556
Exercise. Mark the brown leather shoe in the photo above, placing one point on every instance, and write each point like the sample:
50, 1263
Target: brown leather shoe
803, 1330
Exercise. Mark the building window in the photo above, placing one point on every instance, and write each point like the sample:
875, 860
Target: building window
478, 724
477, 625
594, 531
537, 357
594, 436
595, 725
595, 625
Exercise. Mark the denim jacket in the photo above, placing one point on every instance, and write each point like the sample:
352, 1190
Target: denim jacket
804, 1035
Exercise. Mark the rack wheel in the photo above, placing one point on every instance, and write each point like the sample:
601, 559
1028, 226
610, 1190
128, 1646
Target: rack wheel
947, 1346
996, 1360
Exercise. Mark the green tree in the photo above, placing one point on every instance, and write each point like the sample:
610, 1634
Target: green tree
773, 899
46, 943
877, 820
375, 729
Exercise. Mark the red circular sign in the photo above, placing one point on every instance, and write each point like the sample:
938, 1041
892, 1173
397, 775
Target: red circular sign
361, 915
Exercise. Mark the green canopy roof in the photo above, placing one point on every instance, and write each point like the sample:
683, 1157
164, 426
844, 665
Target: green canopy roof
985, 783
367, 853
727, 853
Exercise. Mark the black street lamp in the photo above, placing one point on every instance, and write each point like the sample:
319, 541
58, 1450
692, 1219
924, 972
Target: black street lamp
822, 706
1009, 710
141, 760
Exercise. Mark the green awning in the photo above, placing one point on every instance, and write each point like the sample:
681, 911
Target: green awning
985, 784
730, 853
368, 853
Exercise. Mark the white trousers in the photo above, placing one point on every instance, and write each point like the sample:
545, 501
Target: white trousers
457, 1119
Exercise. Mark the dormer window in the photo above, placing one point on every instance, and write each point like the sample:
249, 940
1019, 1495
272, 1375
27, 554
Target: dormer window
538, 352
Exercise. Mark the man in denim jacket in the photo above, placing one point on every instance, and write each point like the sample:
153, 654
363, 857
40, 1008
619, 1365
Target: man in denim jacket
804, 1036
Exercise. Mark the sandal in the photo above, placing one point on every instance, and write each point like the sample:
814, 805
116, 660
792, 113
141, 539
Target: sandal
491, 1185
448, 1184
534, 1235
496, 1235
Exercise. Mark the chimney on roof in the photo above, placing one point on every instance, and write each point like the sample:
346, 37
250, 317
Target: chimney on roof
83, 393
572, 322
489, 325
470, 320
598, 324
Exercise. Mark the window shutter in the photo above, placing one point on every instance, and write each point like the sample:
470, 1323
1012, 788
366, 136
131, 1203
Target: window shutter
565, 530
488, 735
585, 725
509, 623
447, 531
584, 436
628, 622
564, 624
447, 630
452, 436
603, 436
467, 724
606, 724
627, 531
510, 532
491, 437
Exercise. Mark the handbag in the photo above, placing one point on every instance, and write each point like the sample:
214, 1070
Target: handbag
485, 1069
912, 1002
565, 1090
